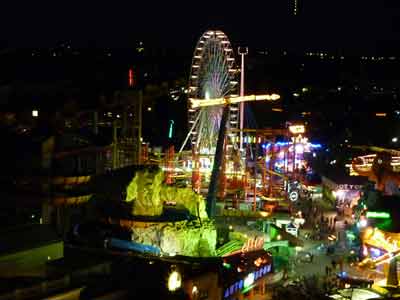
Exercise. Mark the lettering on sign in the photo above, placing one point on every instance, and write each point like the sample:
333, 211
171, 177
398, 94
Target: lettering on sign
253, 244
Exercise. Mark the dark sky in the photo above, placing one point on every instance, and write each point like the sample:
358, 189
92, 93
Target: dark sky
321, 24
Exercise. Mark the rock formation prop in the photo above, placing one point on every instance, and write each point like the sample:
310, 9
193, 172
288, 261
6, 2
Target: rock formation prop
148, 194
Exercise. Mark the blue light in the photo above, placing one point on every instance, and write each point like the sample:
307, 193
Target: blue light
316, 145
343, 274
282, 143
241, 282
266, 146
226, 295
375, 252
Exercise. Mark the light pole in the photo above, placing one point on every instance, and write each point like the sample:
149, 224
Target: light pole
242, 51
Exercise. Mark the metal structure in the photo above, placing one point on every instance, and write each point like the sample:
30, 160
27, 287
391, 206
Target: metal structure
242, 52
213, 75
218, 157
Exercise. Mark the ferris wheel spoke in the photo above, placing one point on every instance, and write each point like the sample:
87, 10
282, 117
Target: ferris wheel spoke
211, 77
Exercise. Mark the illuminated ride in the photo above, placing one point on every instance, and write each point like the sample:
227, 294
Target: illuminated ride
380, 168
213, 75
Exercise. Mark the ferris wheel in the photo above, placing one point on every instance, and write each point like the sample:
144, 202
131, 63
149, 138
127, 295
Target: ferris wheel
213, 75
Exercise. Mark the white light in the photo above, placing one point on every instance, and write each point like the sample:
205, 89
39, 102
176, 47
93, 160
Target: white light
299, 148
174, 281
35, 113
394, 140
149, 108
249, 280
195, 290
363, 223
338, 193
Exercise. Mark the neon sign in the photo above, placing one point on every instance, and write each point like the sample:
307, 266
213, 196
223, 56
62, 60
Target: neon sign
295, 129
253, 244
247, 282
378, 215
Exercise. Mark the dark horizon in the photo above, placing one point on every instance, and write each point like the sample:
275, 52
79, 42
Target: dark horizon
337, 26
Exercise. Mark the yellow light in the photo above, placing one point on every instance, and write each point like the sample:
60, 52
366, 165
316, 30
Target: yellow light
231, 100
174, 281
296, 129
277, 109
195, 290
380, 114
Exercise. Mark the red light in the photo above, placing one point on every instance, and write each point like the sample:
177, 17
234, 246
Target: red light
130, 78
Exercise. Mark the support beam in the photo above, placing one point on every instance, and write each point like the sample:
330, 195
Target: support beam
218, 158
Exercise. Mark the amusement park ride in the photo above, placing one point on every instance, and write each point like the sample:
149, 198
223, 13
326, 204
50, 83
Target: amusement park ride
223, 161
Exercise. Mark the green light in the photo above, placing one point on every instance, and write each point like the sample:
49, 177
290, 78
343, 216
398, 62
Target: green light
226, 265
378, 215
171, 127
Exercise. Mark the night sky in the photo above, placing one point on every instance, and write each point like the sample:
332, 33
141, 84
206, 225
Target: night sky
321, 24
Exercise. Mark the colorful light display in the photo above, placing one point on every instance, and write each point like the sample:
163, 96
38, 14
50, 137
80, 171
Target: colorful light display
246, 283
377, 215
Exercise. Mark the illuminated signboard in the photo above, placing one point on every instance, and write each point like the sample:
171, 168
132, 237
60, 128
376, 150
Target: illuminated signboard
296, 129
253, 244
378, 215
246, 283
